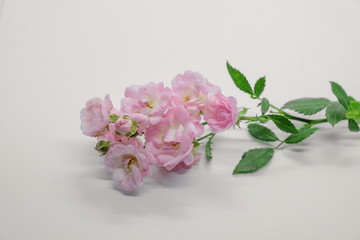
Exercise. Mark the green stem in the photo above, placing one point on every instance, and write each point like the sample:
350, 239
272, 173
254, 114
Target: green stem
313, 122
308, 121
211, 137
278, 145
276, 108
296, 118
248, 118
207, 135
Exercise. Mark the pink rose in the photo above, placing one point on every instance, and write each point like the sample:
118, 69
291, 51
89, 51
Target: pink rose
151, 100
220, 112
109, 134
129, 162
171, 140
95, 116
142, 121
123, 125
115, 130
191, 90
189, 161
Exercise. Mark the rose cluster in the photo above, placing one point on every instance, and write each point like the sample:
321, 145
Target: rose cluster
156, 125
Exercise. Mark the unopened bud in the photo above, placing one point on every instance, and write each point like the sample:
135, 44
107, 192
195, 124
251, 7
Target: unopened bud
102, 147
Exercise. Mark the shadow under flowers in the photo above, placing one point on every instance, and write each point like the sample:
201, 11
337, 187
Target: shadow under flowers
170, 194
335, 146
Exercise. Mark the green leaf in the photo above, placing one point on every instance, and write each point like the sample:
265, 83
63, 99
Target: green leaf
196, 144
340, 94
283, 123
265, 105
351, 98
335, 112
300, 136
307, 106
208, 148
133, 129
243, 111
239, 79
113, 117
353, 111
102, 147
259, 86
253, 160
353, 126
262, 133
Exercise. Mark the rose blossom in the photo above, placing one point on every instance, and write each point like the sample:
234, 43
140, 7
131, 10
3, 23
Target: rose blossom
192, 158
129, 162
151, 100
109, 134
95, 116
115, 130
142, 121
123, 125
171, 140
191, 89
220, 112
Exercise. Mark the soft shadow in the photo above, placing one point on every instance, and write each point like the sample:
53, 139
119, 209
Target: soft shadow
170, 179
2, 6
327, 147
161, 194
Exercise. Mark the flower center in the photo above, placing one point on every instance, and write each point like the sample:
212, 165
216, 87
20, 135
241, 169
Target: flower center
129, 160
176, 145
149, 105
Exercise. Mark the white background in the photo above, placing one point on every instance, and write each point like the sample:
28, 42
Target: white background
55, 55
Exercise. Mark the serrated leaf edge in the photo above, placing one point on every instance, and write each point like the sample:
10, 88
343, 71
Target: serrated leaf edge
245, 153
274, 139
306, 112
246, 88
298, 133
